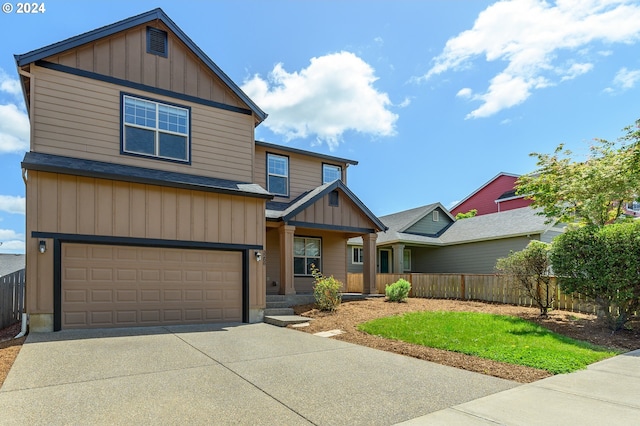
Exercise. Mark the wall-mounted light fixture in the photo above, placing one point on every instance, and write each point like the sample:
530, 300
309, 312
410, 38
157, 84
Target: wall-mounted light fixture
43, 246
258, 256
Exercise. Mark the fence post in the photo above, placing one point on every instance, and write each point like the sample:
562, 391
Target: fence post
462, 287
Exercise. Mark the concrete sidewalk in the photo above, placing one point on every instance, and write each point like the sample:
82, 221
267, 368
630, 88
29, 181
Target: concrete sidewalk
607, 392
234, 374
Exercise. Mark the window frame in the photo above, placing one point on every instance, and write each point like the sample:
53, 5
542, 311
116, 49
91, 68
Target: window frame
435, 215
324, 181
404, 260
305, 257
157, 131
359, 250
287, 176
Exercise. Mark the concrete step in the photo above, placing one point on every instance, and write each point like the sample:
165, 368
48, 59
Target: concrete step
285, 320
290, 299
278, 304
278, 311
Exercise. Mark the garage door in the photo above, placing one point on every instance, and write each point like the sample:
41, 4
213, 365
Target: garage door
116, 286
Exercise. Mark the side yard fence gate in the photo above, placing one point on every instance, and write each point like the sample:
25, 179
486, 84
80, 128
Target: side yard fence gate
11, 298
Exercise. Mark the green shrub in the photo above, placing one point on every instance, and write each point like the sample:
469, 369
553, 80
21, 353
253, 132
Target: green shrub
326, 291
397, 291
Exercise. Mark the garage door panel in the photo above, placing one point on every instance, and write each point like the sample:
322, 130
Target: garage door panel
148, 286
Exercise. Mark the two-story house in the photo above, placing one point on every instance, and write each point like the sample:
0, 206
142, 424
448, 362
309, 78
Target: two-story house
148, 200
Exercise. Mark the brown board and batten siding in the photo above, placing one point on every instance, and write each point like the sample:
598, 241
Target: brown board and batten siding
75, 205
79, 117
124, 55
346, 214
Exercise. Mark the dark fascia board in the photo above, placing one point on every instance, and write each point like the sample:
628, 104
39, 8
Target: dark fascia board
436, 235
303, 152
332, 187
97, 169
155, 14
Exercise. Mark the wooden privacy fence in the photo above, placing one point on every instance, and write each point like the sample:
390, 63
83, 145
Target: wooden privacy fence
11, 298
485, 287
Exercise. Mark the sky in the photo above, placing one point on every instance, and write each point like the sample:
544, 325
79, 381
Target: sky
432, 98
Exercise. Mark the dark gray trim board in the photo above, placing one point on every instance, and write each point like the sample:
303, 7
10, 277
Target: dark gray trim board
331, 227
120, 172
139, 86
269, 145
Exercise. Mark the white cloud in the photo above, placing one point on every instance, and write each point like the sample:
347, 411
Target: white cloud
12, 204
9, 85
10, 234
12, 246
626, 79
530, 36
465, 93
332, 95
14, 129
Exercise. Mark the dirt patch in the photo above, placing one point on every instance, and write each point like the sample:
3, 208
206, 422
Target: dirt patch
9, 348
575, 325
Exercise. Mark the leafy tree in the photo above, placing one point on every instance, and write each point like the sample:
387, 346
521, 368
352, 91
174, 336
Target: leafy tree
530, 268
593, 191
603, 264
467, 215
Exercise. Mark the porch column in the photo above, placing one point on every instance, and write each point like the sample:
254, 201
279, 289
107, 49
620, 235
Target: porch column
286, 259
398, 258
369, 264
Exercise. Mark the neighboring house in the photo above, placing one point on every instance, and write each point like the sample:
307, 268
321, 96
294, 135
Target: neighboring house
497, 195
11, 263
146, 193
470, 245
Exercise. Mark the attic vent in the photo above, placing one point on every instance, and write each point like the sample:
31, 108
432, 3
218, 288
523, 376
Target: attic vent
157, 42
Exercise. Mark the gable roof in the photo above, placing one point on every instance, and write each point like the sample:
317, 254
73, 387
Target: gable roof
98, 169
508, 224
152, 15
459, 203
284, 212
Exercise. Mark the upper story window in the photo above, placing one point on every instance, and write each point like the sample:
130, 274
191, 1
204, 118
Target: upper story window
331, 173
155, 129
278, 174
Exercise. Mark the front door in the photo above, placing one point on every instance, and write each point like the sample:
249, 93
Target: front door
385, 261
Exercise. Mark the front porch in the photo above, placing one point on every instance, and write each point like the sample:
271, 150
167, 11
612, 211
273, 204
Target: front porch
312, 231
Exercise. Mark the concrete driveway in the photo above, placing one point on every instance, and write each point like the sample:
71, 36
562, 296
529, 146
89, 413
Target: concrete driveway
233, 374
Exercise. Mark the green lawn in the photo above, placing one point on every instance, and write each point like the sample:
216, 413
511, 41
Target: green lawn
497, 337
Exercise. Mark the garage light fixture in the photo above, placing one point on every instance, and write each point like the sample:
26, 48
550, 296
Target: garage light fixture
258, 256
43, 246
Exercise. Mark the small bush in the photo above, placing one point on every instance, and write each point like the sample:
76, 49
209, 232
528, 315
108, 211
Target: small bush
398, 291
326, 291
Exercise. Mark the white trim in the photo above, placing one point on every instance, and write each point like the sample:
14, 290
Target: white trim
353, 255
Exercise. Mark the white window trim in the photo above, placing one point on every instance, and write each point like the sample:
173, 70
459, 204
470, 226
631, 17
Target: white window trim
406, 252
286, 176
333, 166
354, 250
157, 130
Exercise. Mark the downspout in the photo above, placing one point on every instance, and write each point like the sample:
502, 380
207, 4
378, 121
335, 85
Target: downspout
23, 328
